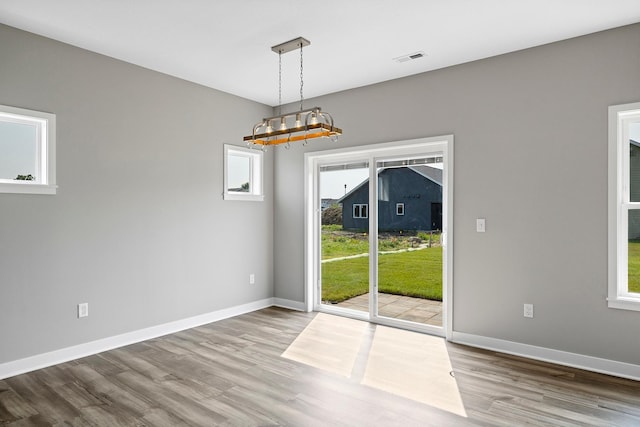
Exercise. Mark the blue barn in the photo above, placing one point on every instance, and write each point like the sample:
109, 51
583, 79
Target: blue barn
409, 198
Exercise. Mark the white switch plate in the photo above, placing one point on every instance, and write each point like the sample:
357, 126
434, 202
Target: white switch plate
480, 225
528, 310
83, 309
252, 279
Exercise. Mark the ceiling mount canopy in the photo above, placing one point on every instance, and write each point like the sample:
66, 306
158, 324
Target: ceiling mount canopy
301, 125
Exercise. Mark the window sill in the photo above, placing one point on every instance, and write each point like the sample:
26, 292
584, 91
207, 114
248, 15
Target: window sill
244, 197
27, 188
623, 303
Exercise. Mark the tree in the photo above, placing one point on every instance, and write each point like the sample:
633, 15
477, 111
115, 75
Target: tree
332, 215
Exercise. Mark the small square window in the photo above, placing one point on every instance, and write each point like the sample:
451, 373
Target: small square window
360, 210
399, 208
242, 174
27, 151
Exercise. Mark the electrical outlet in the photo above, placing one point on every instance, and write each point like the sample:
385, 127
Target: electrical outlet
480, 225
83, 309
528, 310
252, 279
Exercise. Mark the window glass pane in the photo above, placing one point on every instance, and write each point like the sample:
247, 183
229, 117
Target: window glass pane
18, 150
634, 252
239, 174
634, 162
344, 279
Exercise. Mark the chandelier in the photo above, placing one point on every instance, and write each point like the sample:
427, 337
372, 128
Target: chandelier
301, 125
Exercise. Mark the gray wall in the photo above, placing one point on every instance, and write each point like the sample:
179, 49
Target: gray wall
138, 228
530, 133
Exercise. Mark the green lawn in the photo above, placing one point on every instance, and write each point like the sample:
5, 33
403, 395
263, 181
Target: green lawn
337, 243
415, 273
634, 266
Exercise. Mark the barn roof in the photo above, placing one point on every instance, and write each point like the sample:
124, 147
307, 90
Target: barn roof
432, 174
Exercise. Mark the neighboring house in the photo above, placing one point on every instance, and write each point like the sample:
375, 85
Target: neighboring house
409, 198
634, 188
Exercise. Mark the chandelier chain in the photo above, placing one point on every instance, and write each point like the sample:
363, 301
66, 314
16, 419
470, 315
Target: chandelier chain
301, 79
279, 82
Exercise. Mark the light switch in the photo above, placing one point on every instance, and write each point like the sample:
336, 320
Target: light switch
480, 226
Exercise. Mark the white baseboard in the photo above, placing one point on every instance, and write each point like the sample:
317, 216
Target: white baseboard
32, 363
28, 364
291, 305
589, 363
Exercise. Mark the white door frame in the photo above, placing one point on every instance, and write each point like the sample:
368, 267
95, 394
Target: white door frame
312, 212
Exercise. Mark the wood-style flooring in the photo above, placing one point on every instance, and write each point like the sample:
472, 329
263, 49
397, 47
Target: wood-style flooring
233, 373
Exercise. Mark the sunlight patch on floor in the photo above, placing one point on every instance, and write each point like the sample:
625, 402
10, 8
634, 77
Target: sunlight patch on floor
330, 343
408, 364
415, 366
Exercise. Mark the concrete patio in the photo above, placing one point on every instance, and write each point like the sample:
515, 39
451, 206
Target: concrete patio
400, 307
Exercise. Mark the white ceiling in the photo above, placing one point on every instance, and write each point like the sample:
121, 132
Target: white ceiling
225, 44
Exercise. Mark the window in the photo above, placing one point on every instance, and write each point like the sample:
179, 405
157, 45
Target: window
399, 208
242, 174
27, 151
624, 206
360, 210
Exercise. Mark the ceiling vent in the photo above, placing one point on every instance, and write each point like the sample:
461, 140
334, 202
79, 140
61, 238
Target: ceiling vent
411, 56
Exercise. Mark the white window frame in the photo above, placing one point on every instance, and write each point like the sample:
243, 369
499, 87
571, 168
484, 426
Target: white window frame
442, 145
45, 177
400, 209
360, 206
620, 117
255, 174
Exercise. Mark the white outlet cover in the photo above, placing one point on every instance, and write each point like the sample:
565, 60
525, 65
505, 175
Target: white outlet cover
528, 310
83, 309
480, 225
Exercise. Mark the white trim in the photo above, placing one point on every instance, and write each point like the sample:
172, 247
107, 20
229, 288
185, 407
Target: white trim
620, 117
344, 312
256, 159
32, 363
574, 360
360, 206
370, 154
27, 188
312, 221
290, 304
39, 361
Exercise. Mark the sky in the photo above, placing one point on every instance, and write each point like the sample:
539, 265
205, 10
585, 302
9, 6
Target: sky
238, 172
18, 150
634, 131
332, 183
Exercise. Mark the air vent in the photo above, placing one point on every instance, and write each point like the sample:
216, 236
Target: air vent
409, 57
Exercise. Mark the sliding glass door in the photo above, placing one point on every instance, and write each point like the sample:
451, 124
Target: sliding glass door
377, 226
